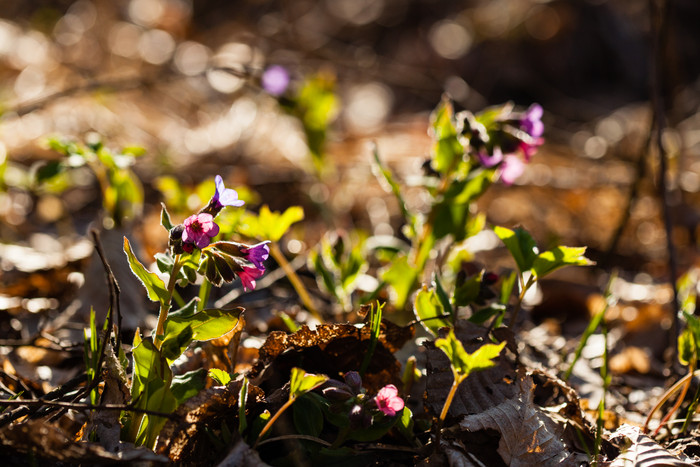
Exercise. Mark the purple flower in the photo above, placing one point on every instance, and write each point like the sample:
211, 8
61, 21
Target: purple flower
257, 254
248, 276
199, 229
490, 160
275, 80
511, 169
388, 400
225, 196
531, 122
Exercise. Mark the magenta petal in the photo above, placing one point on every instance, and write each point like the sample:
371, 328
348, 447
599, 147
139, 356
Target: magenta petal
511, 169
213, 230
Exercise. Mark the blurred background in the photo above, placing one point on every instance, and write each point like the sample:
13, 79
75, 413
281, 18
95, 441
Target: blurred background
188, 81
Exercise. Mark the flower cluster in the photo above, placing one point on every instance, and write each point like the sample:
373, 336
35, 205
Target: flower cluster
348, 396
512, 133
198, 230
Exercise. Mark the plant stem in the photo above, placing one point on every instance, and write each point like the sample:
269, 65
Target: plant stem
445, 408
274, 418
295, 280
165, 306
521, 297
204, 291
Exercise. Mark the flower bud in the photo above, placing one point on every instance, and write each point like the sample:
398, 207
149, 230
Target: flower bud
354, 380
335, 390
359, 417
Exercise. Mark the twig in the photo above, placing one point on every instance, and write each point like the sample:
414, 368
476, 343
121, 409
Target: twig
114, 290
59, 392
658, 11
120, 84
82, 406
640, 171
286, 437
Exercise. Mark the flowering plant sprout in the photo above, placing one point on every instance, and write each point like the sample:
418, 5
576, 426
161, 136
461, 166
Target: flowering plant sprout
469, 153
191, 252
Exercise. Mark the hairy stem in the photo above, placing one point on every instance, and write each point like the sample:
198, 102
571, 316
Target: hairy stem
165, 306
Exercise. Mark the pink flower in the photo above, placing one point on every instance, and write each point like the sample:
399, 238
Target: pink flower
388, 400
248, 276
225, 196
257, 254
199, 229
511, 169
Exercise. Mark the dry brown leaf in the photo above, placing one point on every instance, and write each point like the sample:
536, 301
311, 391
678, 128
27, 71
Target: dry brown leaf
529, 436
185, 439
639, 450
331, 349
48, 441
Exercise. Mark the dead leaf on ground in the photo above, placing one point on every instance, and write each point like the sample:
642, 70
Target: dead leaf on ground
639, 450
529, 436
332, 349
185, 439
47, 441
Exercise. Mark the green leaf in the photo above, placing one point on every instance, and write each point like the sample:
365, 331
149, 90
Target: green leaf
521, 245
482, 315
442, 296
48, 170
188, 385
429, 310
269, 225
507, 287
153, 284
302, 382
687, 349
401, 277
220, 376
375, 323
150, 390
165, 218
452, 212
405, 425
463, 363
186, 311
447, 150
557, 258
467, 292
242, 400
308, 416
172, 348
207, 324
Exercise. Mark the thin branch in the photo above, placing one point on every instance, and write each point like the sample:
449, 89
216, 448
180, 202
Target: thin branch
82, 406
658, 11
119, 84
114, 290
57, 393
